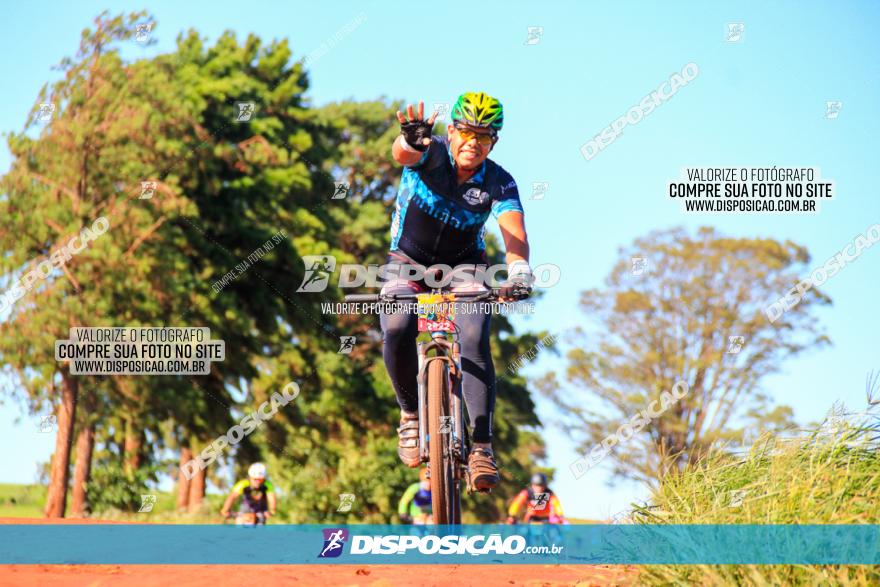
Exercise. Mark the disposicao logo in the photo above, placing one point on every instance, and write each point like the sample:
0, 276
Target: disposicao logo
442, 545
394, 544
334, 540
319, 268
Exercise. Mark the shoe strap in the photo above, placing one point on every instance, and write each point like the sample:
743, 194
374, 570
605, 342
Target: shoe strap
409, 428
485, 453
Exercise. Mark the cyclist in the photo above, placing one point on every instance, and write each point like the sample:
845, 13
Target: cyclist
258, 494
447, 192
541, 503
415, 505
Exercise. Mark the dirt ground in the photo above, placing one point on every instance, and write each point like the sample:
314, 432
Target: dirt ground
372, 575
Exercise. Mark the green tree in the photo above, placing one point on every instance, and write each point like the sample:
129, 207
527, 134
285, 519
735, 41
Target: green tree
115, 126
82, 171
674, 322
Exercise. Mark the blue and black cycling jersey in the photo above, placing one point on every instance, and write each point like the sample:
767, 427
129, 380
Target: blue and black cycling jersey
438, 221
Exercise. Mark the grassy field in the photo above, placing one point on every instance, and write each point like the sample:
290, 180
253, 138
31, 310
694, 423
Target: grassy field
831, 476
21, 501
26, 501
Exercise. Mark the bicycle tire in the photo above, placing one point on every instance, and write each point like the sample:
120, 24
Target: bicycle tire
445, 499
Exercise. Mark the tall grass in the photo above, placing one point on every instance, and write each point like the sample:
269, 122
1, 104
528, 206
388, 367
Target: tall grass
830, 475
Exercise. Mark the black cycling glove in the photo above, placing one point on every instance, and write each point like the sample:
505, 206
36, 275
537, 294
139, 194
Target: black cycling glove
414, 133
515, 289
518, 285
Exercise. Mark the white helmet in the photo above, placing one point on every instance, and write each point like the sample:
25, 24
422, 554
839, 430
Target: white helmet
257, 471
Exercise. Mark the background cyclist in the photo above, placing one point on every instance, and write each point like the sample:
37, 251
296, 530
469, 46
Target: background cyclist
539, 502
257, 494
415, 505
448, 190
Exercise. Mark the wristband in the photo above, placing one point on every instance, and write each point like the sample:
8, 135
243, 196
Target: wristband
518, 267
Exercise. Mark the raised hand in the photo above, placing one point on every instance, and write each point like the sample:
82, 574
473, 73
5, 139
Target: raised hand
416, 130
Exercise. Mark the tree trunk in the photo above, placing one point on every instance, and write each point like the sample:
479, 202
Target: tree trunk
85, 444
56, 497
197, 491
133, 442
183, 484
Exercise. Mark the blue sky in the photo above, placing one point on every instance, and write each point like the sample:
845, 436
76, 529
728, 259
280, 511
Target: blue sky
759, 102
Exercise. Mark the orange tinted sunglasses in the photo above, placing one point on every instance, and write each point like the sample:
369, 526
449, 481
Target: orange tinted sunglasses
467, 134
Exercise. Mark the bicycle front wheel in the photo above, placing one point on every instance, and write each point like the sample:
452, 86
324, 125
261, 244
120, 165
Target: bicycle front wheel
445, 497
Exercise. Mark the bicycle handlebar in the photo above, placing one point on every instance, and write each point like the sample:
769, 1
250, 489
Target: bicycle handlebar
491, 295
234, 515
361, 297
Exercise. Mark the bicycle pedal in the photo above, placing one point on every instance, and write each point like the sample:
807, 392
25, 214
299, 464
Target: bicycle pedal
467, 483
471, 488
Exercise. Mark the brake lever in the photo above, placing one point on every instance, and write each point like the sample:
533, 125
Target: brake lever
523, 292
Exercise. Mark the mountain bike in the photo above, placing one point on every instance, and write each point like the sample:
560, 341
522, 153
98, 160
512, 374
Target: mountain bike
444, 442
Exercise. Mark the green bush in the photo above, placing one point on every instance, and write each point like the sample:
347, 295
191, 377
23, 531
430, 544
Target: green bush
111, 487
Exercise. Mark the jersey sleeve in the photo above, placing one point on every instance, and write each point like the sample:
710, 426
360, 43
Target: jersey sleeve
506, 197
408, 496
433, 157
517, 503
240, 486
556, 506
269, 487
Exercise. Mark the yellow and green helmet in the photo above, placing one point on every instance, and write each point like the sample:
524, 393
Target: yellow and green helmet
478, 109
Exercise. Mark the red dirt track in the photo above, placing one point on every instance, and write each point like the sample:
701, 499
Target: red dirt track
372, 575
